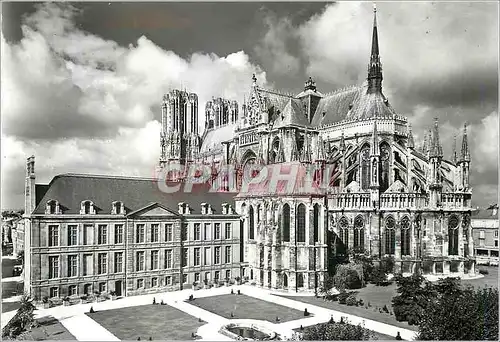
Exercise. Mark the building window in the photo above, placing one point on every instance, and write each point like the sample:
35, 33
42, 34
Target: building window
405, 236
217, 231
87, 264
53, 267
496, 233
139, 234
453, 235
217, 255
217, 276
390, 236
139, 261
102, 234
53, 236
251, 224
184, 257
228, 274
196, 260
102, 263
197, 277
87, 289
168, 232
316, 222
344, 231
117, 208
168, 280
86, 207
87, 234
228, 255
102, 287
140, 283
359, 234
496, 243
154, 282
118, 233
206, 256
72, 265
184, 278
301, 223
154, 260
286, 223
73, 290
184, 232
52, 207
118, 262
155, 232
206, 231
207, 276
197, 231
228, 231
54, 292
300, 280
168, 258
72, 235
365, 166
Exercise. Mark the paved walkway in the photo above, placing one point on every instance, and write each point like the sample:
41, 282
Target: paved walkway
86, 329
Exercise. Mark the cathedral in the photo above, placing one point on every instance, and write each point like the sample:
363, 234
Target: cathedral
381, 193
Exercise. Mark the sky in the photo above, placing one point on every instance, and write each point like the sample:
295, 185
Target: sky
81, 83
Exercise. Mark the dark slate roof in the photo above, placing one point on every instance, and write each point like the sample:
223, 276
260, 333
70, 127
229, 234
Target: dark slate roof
292, 114
351, 104
135, 193
274, 99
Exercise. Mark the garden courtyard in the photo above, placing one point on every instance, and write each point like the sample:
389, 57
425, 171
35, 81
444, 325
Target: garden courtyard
202, 317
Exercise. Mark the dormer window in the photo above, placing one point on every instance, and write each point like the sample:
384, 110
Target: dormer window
224, 208
52, 207
203, 208
182, 207
117, 208
87, 208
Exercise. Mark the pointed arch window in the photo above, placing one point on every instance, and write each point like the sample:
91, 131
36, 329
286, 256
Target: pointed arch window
405, 236
390, 235
385, 156
453, 235
359, 234
301, 223
344, 231
365, 167
300, 280
286, 223
251, 228
316, 212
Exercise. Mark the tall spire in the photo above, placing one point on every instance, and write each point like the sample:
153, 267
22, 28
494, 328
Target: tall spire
454, 150
465, 155
436, 149
375, 66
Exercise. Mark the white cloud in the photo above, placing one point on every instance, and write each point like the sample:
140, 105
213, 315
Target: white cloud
92, 106
484, 153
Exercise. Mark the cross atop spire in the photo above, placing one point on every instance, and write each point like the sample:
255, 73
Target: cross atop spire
375, 66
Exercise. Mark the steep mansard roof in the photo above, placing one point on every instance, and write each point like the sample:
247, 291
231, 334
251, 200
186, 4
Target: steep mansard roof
70, 190
292, 114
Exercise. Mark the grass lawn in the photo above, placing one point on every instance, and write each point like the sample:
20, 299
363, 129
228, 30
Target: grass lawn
49, 329
9, 306
246, 307
356, 310
161, 322
489, 280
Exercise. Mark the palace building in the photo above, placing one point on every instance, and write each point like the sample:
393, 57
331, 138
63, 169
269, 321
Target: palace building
375, 192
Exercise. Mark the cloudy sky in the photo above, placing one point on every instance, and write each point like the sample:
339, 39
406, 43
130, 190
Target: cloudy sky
81, 84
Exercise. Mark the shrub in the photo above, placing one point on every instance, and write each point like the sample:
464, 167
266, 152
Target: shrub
329, 331
483, 271
66, 299
387, 264
347, 277
378, 276
385, 309
45, 299
342, 296
351, 300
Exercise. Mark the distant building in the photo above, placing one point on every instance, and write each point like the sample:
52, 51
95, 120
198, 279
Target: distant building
485, 232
